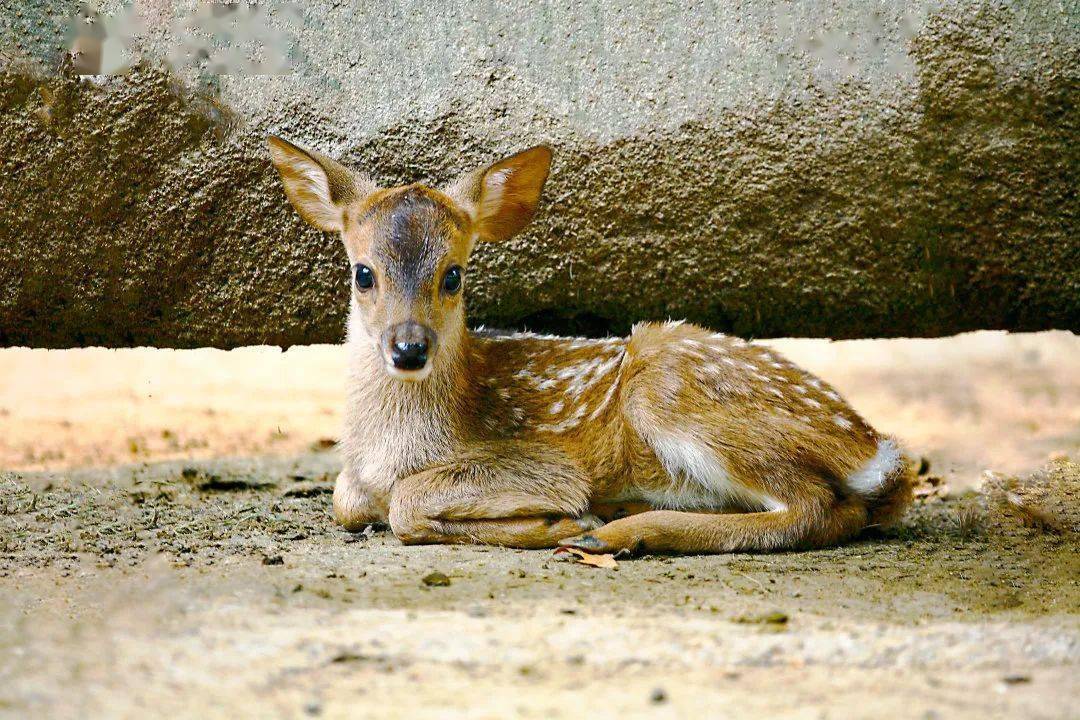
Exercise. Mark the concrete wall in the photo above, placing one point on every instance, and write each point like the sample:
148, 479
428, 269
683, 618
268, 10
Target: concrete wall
839, 167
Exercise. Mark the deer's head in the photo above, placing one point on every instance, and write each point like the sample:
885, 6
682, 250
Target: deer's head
409, 246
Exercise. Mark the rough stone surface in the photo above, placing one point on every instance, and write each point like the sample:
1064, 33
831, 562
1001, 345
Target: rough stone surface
829, 168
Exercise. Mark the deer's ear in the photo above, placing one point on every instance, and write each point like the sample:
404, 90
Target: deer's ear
502, 197
318, 187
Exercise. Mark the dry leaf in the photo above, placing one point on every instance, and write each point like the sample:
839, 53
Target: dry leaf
1032, 516
580, 556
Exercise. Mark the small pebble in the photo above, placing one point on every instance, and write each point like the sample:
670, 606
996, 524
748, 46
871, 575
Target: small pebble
1016, 679
436, 579
273, 560
658, 696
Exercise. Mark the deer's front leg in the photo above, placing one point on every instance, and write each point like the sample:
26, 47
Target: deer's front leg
517, 496
355, 504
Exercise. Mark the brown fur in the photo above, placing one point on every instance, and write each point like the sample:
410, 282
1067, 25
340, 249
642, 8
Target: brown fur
682, 439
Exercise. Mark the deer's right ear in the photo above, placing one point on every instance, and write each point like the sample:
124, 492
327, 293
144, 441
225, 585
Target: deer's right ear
318, 187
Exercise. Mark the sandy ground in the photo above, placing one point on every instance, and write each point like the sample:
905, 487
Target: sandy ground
165, 548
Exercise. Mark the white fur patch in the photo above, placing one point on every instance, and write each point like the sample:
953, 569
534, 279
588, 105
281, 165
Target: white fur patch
498, 177
842, 421
699, 478
870, 478
494, 188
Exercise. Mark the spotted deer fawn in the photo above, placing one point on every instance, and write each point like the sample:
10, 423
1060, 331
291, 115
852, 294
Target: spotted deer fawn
682, 439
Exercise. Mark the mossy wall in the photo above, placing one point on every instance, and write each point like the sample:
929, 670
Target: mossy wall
835, 168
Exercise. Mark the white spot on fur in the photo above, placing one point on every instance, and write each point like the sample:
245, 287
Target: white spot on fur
605, 401
580, 370
874, 473
842, 421
811, 402
776, 392
832, 396
568, 424
556, 408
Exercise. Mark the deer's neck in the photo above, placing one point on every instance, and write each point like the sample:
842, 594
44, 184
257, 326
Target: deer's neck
395, 427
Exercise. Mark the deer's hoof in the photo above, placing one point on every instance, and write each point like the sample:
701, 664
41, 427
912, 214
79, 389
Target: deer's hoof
587, 542
588, 522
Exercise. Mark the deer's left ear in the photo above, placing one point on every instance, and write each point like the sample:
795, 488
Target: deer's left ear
502, 197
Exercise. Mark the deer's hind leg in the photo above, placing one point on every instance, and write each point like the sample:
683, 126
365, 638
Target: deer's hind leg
694, 453
509, 493
671, 531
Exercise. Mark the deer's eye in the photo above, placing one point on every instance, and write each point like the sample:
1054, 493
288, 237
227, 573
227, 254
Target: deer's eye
452, 280
365, 278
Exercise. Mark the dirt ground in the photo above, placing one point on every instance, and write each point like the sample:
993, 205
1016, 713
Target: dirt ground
166, 548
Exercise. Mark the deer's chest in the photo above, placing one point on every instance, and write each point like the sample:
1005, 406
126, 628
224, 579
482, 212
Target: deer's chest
383, 444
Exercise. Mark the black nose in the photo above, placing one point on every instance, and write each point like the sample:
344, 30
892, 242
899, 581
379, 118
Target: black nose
409, 355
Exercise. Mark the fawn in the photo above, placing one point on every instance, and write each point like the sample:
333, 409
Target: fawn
684, 440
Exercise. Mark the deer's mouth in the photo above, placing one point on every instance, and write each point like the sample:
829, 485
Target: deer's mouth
408, 375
